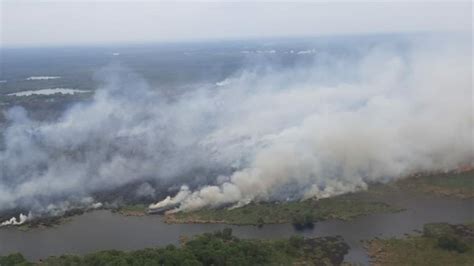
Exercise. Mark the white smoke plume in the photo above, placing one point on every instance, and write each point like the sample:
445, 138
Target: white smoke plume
97, 205
312, 130
168, 201
13, 221
404, 116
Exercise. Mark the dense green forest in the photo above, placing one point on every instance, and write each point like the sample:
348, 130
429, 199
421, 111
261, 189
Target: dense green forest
219, 248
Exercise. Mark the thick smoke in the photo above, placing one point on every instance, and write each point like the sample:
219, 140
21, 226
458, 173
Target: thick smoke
263, 134
13, 221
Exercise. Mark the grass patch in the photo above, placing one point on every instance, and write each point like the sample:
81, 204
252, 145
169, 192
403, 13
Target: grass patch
440, 244
345, 207
132, 209
460, 185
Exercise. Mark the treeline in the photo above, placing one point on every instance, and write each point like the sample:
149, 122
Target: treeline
219, 248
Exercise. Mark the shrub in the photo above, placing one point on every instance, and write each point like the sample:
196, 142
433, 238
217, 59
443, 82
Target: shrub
260, 222
14, 259
227, 234
296, 241
452, 243
302, 221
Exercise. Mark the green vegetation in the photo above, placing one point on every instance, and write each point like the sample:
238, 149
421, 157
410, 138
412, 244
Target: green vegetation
440, 244
132, 209
460, 185
452, 243
345, 207
50, 221
15, 259
300, 213
219, 248
304, 213
302, 221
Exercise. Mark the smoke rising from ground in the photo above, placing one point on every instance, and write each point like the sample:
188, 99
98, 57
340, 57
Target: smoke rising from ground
314, 130
13, 221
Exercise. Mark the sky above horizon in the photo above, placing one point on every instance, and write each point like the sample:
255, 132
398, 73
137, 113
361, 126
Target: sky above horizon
68, 22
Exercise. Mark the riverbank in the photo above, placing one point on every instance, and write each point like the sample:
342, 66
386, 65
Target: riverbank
218, 248
439, 244
44, 222
51, 221
344, 207
104, 230
456, 184
132, 210
376, 199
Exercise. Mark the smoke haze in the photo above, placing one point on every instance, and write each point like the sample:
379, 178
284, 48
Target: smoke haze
266, 133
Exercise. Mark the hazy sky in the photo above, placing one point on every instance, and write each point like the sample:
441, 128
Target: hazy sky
30, 23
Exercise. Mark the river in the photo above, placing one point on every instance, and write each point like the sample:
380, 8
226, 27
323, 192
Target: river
99, 230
